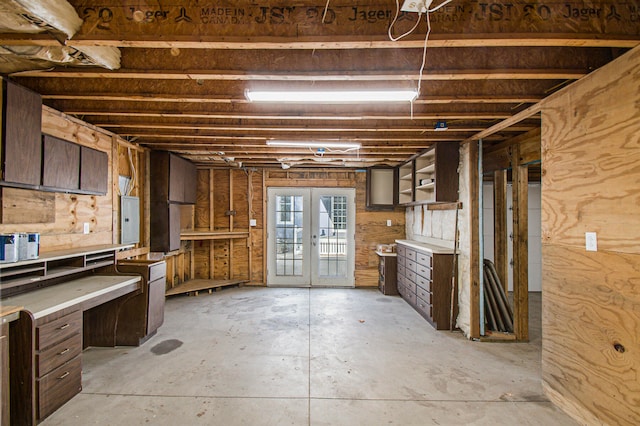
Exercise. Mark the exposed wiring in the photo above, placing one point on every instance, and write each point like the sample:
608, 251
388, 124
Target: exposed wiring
326, 8
132, 183
424, 53
395, 19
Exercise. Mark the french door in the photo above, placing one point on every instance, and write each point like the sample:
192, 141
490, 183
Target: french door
311, 237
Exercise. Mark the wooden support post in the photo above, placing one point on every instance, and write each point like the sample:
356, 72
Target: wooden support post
231, 216
500, 242
474, 325
264, 226
520, 249
115, 199
212, 226
249, 217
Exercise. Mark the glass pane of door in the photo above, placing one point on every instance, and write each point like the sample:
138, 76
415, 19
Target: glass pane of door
289, 235
332, 238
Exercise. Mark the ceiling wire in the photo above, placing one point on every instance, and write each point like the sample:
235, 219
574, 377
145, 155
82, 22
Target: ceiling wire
326, 8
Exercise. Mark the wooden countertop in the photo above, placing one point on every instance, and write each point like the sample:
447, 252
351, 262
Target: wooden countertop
9, 313
432, 248
48, 300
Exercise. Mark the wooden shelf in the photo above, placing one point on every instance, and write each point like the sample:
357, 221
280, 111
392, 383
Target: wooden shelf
429, 185
204, 235
195, 286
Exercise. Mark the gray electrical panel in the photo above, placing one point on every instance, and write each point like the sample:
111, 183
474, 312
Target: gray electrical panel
129, 220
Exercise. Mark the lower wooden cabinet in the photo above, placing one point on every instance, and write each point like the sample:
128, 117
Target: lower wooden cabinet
387, 273
58, 363
149, 304
424, 281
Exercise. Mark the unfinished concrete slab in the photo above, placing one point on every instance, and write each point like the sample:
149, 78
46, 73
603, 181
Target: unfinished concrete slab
308, 356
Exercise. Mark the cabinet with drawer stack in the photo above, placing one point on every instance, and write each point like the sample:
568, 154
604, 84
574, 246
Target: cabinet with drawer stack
58, 345
424, 281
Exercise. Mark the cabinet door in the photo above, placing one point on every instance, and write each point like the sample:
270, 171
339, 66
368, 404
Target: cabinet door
94, 170
21, 135
174, 227
155, 311
61, 165
177, 171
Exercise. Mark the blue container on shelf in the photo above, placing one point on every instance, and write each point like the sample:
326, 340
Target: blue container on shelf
8, 248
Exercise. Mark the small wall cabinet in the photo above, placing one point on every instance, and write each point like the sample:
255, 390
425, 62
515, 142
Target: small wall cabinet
21, 151
173, 183
60, 170
382, 184
430, 177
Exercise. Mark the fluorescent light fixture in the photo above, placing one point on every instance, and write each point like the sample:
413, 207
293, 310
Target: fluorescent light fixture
331, 96
314, 144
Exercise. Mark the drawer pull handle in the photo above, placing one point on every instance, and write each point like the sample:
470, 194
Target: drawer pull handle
64, 326
64, 375
64, 352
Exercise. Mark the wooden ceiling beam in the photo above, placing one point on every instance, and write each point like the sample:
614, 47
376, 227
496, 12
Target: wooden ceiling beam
334, 76
424, 100
331, 42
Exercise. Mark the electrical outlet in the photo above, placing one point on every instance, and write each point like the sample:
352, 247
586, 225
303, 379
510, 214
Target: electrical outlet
417, 6
389, 223
253, 222
85, 227
591, 240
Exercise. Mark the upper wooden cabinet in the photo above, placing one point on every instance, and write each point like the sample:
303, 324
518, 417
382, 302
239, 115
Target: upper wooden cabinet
60, 170
21, 148
382, 188
173, 178
431, 177
94, 170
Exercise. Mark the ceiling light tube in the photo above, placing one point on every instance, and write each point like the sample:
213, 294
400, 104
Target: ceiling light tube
331, 96
314, 144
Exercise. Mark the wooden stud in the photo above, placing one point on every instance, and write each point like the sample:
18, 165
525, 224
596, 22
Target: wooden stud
520, 249
474, 308
500, 242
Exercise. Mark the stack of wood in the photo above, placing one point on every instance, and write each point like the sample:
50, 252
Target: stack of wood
498, 310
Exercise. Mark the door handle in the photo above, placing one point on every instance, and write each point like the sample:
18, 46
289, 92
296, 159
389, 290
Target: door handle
314, 237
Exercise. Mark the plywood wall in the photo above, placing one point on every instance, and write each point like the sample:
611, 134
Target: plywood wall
591, 300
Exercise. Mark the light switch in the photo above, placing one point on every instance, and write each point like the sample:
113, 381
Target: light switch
85, 227
389, 223
591, 240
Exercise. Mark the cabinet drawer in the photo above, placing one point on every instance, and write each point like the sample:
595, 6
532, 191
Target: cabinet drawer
59, 386
423, 294
411, 265
411, 287
424, 283
411, 276
424, 271
411, 254
58, 354
401, 250
410, 297
56, 330
423, 307
424, 259
157, 271
402, 270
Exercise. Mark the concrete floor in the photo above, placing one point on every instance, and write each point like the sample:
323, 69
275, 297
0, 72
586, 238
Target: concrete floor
278, 356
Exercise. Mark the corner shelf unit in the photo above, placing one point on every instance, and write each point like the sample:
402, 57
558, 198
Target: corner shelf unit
431, 176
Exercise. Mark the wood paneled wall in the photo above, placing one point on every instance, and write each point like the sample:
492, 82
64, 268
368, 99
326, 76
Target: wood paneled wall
221, 191
591, 300
59, 217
